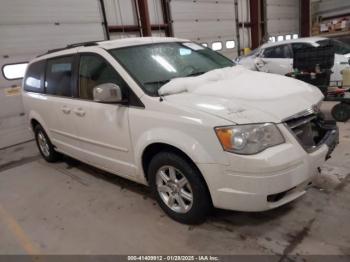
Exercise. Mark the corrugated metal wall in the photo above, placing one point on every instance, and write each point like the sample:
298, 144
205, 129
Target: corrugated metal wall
328, 8
244, 18
124, 13
283, 17
28, 28
121, 12
206, 21
156, 16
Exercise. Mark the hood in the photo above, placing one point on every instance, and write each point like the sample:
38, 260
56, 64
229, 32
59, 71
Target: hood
242, 96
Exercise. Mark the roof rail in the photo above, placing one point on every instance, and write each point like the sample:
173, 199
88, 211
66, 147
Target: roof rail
91, 43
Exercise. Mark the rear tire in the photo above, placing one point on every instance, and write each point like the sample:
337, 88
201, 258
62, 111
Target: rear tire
341, 112
45, 146
179, 188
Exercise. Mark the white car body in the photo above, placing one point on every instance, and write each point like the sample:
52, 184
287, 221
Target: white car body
114, 137
282, 66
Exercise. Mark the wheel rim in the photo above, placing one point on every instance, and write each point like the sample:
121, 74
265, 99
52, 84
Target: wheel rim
43, 144
174, 189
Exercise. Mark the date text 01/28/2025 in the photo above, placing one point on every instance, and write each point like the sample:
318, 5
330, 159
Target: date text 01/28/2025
173, 258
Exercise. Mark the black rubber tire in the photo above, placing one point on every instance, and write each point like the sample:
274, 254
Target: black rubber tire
341, 112
202, 204
53, 155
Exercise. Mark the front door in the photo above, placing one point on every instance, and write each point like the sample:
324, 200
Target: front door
103, 128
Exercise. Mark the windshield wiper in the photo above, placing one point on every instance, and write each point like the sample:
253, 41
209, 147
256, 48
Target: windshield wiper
157, 82
195, 74
168, 80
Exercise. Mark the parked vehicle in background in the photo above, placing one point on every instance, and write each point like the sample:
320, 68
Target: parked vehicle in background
277, 57
182, 119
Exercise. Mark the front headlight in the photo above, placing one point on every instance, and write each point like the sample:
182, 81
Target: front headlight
249, 139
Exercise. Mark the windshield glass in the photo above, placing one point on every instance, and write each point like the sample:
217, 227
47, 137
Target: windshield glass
340, 48
156, 64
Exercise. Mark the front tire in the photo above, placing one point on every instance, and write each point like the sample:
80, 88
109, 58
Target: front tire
179, 188
45, 146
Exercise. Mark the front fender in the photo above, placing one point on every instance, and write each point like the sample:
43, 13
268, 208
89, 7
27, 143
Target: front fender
200, 153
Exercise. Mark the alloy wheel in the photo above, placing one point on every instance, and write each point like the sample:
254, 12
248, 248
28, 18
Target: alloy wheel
174, 189
43, 144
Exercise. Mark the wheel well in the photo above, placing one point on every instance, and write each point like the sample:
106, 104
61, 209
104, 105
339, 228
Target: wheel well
34, 123
155, 148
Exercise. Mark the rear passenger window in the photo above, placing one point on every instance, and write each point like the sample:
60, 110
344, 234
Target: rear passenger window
94, 71
59, 73
34, 77
298, 46
281, 51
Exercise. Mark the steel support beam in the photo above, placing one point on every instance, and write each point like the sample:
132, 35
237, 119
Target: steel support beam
237, 29
167, 17
305, 18
105, 23
144, 17
255, 22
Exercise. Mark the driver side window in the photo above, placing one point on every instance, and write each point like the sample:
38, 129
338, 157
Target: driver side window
281, 51
94, 71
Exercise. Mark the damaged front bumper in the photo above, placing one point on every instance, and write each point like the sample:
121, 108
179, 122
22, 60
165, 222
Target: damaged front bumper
331, 138
313, 131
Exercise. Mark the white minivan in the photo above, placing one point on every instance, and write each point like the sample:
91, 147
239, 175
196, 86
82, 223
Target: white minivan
181, 118
277, 57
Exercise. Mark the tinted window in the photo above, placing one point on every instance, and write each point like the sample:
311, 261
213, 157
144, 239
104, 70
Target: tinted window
281, 51
298, 46
94, 71
339, 47
156, 64
59, 72
34, 77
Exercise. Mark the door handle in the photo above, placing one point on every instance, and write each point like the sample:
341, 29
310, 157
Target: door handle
79, 112
66, 110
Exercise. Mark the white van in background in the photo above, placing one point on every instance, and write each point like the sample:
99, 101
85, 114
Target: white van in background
277, 57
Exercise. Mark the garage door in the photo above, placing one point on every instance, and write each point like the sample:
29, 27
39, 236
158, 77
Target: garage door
28, 28
282, 18
207, 22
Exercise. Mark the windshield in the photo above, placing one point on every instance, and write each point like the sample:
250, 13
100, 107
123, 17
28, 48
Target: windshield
340, 48
156, 64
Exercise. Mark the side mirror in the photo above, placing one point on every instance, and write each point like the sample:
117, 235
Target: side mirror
107, 93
